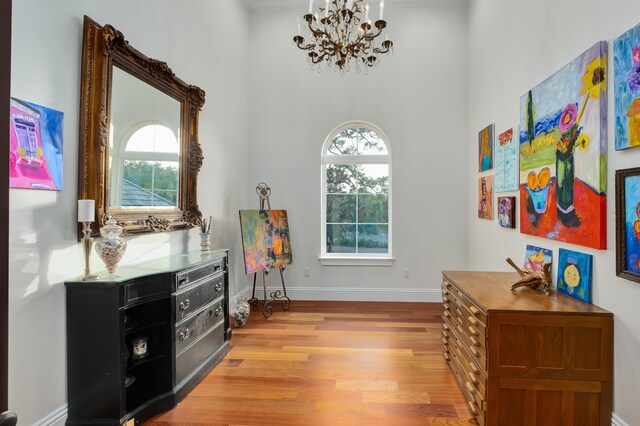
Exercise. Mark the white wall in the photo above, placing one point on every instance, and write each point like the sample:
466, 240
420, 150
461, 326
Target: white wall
417, 97
206, 44
513, 46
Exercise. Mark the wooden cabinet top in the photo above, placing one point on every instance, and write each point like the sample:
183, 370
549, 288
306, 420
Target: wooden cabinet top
492, 292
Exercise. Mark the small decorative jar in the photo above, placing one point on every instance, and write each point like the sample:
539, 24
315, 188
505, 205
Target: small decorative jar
111, 248
204, 241
241, 314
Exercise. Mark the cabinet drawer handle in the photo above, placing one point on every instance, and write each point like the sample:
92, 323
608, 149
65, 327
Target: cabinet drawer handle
218, 286
445, 341
445, 300
474, 368
217, 267
473, 378
218, 311
184, 280
474, 331
470, 387
184, 305
447, 357
475, 311
445, 326
475, 341
446, 284
184, 335
474, 351
459, 312
472, 320
472, 406
445, 292
446, 307
447, 314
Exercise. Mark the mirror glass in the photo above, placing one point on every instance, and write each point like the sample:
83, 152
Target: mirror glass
144, 146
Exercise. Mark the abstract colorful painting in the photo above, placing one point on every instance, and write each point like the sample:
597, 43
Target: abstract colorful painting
35, 146
265, 239
563, 153
485, 197
507, 175
574, 274
536, 257
485, 148
628, 223
626, 85
507, 212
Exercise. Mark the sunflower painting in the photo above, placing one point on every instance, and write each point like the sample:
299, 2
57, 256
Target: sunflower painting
563, 153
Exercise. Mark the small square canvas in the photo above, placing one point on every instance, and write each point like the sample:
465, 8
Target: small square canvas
485, 197
575, 274
507, 212
35, 146
626, 86
485, 148
506, 154
535, 257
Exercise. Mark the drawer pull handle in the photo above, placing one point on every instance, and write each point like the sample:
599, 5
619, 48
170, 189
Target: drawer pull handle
218, 286
459, 313
184, 280
447, 357
473, 377
475, 341
474, 368
470, 387
474, 331
184, 305
472, 320
460, 329
445, 300
218, 311
475, 311
184, 334
445, 292
446, 307
447, 314
446, 284
472, 406
474, 351
217, 267
445, 341
445, 326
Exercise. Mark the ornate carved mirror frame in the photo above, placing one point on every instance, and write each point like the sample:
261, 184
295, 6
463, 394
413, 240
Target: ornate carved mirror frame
102, 48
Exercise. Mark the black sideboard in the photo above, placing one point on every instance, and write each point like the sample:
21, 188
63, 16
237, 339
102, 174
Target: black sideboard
139, 342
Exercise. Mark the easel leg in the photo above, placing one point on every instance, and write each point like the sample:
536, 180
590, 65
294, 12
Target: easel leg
253, 301
267, 310
287, 302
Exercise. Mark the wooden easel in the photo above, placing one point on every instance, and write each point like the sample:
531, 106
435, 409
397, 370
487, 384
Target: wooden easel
263, 192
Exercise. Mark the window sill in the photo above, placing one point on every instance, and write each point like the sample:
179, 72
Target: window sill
356, 261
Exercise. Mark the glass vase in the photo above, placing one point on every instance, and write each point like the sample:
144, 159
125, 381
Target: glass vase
205, 245
565, 175
112, 247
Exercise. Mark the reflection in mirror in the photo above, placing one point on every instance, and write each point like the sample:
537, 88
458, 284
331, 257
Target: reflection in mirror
144, 145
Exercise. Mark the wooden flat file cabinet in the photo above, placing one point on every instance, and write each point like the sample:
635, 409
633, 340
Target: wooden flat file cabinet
138, 342
524, 358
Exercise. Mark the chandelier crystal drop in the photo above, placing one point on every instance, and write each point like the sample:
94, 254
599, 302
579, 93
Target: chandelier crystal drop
342, 39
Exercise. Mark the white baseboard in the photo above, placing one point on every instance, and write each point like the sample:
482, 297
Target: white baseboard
56, 418
617, 421
360, 294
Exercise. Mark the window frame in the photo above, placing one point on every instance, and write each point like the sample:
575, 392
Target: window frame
354, 259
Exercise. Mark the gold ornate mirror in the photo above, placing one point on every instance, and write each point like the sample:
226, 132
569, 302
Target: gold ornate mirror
139, 151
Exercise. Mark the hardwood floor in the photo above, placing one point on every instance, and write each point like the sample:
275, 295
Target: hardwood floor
330, 363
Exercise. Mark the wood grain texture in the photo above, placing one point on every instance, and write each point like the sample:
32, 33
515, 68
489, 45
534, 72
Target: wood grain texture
331, 363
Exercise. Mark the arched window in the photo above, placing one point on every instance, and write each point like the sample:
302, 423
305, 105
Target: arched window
356, 194
147, 168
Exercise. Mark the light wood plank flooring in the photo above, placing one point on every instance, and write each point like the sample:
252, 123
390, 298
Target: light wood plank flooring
330, 363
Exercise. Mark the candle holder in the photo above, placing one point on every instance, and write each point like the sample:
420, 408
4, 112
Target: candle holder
87, 242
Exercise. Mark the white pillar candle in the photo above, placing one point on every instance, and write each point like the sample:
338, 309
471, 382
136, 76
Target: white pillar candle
366, 12
381, 9
326, 9
86, 210
298, 19
310, 6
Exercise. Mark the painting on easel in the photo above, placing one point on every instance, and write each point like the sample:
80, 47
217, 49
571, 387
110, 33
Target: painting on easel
265, 239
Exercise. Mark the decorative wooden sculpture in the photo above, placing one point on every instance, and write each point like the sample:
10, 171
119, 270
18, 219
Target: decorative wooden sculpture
535, 280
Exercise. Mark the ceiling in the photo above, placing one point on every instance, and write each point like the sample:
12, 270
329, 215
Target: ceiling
273, 5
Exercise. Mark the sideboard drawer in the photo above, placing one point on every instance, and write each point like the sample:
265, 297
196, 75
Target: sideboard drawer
192, 328
195, 354
193, 298
190, 276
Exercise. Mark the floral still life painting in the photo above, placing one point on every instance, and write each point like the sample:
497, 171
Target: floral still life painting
563, 153
265, 239
507, 212
535, 258
35, 146
626, 84
485, 148
485, 197
507, 175
574, 274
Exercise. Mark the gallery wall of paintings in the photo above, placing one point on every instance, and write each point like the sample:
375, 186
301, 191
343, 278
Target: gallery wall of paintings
556, 160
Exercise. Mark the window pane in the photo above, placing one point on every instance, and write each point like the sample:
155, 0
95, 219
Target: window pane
373, 178
373, 239
342, 178
357, 141
153, 138
341, 208
150, 183
341, 238
373, 208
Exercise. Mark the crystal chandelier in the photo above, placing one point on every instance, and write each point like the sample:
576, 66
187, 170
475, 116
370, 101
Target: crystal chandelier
342, 37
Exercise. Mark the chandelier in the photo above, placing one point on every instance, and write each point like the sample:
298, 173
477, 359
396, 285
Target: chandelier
342, 37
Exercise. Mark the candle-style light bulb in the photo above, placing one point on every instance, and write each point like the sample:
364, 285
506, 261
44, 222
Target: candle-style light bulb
326, 9
381, 9
366, 12
310, 6
298, 19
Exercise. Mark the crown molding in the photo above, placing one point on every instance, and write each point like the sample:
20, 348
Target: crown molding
271, 6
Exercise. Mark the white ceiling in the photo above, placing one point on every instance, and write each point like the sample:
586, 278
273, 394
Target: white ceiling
273, 5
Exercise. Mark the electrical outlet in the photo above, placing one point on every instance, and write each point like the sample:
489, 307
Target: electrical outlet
406, 272
307, 272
